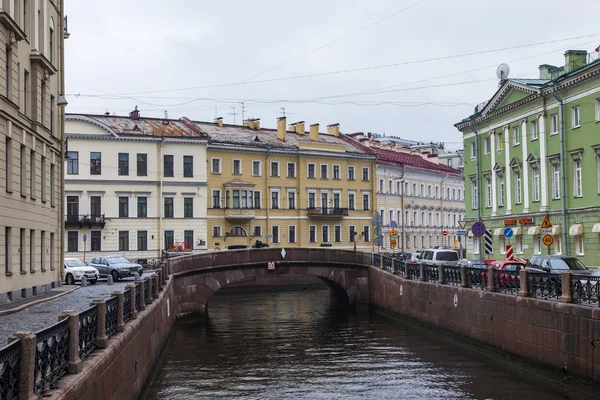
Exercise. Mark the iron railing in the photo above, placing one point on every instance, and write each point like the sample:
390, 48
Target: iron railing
451, 275
51, 356
153, 286
399, 268
585, 289
138, 295
147, 291
111, 316
507, 281
88, 321
376, 259
544, 286
477, 278
326, 212
10, 371
414, 271
431, 274
387, 264
126, 305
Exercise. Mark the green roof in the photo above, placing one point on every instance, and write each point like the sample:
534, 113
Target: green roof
530, 82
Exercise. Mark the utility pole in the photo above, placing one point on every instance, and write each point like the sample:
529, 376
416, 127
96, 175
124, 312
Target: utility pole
243, 118
282, 111
233, 108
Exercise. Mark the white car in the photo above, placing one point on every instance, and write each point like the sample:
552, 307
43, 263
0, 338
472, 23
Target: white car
75, 269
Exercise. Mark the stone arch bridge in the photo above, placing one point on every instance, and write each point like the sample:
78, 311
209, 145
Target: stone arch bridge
197, 277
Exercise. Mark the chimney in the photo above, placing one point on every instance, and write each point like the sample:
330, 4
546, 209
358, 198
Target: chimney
575, 59
334, 129
281, 128
298, 127
546, 71
252, 123
219, 121
314, 132
369, 135
135, 114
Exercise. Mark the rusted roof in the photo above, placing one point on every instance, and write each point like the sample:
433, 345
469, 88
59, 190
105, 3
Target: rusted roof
396, 158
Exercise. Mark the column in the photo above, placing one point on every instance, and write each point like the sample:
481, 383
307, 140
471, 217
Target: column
507, 175
494, 203
525, 169
543, 163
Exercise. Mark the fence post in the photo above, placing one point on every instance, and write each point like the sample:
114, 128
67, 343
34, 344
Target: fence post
74, 361
406, 272
132, 312
160, 280
120, 305
380, 261
523, 291
142, 295
463, 276
393, 265
421, 272
148, 295
490, 279
155, 280
101, 338
565, 278
440, 274
27, 363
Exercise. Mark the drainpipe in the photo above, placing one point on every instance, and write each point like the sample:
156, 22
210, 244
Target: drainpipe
477, 180
268, 193
563, 172
160, 199
61, 165
403, 237
442, 206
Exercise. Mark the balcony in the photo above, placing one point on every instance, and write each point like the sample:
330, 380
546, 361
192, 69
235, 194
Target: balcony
240, 214
81, 220
324, 212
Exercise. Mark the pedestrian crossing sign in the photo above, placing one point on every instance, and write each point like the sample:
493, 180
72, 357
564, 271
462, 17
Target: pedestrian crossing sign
393, 232
546, 223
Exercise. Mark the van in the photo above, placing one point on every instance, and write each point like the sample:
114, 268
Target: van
436, 257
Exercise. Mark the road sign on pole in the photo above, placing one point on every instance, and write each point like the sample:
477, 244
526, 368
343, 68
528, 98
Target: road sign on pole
445, 233
548, 240
393, 232
478, 229
462, 224
84, 246
393, 224
509, 253
508, 232
489, 249
393, 243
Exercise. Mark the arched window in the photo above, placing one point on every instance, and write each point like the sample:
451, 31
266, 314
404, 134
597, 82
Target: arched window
237, 231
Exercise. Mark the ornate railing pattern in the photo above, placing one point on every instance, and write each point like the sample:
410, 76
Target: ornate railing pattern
414, 272
153, 286
111, 316
399, 268
451, 275
586, 289
544, 286
138, 300
51, 356
387, 264
507, 281
147, 291
10, 371
431, 273
126, 305
376, 259
88, 321
477, 278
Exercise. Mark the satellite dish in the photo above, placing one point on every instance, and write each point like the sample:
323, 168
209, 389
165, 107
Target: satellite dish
502, 71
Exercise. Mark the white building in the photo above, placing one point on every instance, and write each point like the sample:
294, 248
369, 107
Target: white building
134, 186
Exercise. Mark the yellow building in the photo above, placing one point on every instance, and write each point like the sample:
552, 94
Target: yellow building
288, 187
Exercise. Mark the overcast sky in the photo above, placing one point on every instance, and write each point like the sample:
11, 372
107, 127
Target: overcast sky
133, 46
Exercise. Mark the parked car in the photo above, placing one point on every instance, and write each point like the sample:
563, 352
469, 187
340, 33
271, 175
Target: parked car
403, 256
436, 257
75, 269
415, 257
507, 265
556, 265
117, 266
473, 263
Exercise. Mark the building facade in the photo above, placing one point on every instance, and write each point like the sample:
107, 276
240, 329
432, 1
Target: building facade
288, 187
424, 199
525, 150
134, 186
31, 153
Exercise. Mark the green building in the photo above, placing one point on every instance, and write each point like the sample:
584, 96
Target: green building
525, 150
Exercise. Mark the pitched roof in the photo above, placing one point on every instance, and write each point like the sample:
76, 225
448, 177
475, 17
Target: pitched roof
395, 158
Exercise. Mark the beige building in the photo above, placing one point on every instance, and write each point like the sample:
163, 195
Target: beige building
134, 186
31, 153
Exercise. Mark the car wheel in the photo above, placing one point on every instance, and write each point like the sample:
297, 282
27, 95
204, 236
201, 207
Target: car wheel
70, 280
93, 282
115, 276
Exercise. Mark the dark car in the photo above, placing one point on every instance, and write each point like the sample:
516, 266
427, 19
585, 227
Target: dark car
556, 265
117, 266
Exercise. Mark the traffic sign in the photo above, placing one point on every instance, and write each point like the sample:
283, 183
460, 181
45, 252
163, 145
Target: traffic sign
393, 233
460, 233
393, 243
462, 224
85, 237
489, 249
271, 265
393, 224
546, 223
546, 231
509, 253
548, 240
445, 233
508, 232
478, 229
377, 219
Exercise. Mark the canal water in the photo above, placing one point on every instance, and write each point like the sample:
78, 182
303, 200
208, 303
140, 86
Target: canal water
290, 345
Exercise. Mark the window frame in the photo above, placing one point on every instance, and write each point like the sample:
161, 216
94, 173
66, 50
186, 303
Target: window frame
237, 161
172, 207
95, 163
143, 162
188, 207
272, 163
188, 167
171, 163
212, 165
72, 163
351, 175
323, 173
123, 163
516, 132
575, 117
259, 163
292, 232
291, 164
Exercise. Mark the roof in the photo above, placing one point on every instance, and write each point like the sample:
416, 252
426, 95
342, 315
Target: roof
530, 82
395, 158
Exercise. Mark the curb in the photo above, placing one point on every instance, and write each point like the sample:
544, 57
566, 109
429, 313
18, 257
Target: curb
35, 303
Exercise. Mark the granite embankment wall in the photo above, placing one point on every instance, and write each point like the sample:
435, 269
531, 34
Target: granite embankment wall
547, 333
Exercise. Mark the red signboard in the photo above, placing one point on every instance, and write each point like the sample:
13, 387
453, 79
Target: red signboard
520, 221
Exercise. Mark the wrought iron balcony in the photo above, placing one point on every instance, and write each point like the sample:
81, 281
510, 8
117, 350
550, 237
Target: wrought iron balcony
325, 212
240, 214
81, 220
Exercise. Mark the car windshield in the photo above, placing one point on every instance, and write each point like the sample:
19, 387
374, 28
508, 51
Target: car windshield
566, 263
117, 260
75, 263
447, 256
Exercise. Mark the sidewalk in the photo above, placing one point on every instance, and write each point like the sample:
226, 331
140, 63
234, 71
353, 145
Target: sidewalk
42, 315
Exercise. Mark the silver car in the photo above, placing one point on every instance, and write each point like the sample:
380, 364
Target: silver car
117, 266
75, 269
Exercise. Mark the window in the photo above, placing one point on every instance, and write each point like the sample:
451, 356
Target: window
516, 136
554, 124
43, 250
336, 172
311, 171
577, 179
142, 207
168, 166
414, 189
123, 163
382, 214
535, 188
501, 245
575, 117
142, 165
96, 241
169, 239
351, 173
398, 188
123, 207
407, 216
422, 192
9, 71
291, 170
366, 233
256, 199
275, 232
486, 145
351, 200
325, 237
188, 166
52, 103
381, 186
449, 162
72, 162
579, 245
429, 191
292, 234
50, 42
72, 208
324, 199
312, 234
473, 150
23, 170
32, 174
274, 199
499, 141
459, 194
352, 233
142, 240
95, 163
168, 207
72, 241
474, 194
95, 206
500, 190
52, 186
8, 164
237, 167
555, 181
216, 199
274, 168
534, 130
257, 230
366, 201
188, 238
597, 172
22, 248
437, 192
215, 166
216, 231
337, 233
256, 168
537, 248
26, 92
597, 109
292, 200
311, 200
391, 216
324, 170
365, 173
32, 250
453, 194
557, 245
447, 193
52, 250
188, 207
517, 177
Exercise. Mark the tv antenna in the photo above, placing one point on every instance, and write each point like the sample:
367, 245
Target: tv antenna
502, 71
